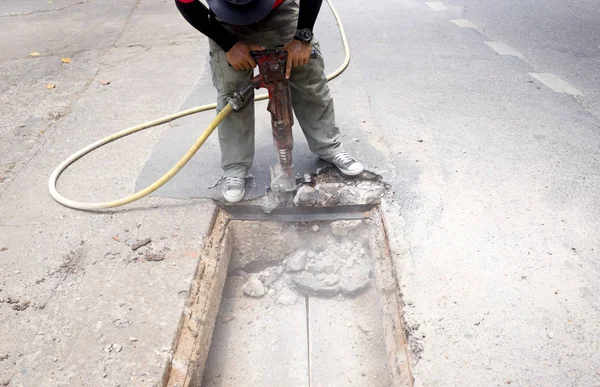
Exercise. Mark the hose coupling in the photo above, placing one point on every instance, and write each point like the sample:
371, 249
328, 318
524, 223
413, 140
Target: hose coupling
239, 98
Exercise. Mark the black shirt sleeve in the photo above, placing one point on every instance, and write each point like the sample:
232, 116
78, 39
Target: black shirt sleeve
309, 10
201, 19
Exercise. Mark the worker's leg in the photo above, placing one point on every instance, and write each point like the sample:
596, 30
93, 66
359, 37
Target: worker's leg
236, 131
311, 99
313, 106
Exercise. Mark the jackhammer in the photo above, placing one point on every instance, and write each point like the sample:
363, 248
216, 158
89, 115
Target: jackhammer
271, 66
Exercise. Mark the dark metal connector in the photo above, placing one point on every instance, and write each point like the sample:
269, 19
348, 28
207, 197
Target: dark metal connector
239, 98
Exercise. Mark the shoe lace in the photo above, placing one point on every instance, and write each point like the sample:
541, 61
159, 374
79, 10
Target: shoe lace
343, 157
232, 181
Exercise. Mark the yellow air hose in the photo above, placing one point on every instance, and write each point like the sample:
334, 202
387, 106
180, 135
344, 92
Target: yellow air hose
181, 163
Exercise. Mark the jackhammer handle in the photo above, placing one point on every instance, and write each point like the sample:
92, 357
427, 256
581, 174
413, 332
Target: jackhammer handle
313, 52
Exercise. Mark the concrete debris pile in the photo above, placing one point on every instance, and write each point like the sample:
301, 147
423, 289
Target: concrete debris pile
333, 194
343, 267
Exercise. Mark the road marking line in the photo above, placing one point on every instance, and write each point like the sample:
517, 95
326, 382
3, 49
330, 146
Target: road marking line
504, 49
436, 5
555, 83
464, 23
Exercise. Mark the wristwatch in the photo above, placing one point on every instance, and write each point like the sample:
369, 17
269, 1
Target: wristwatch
304, 35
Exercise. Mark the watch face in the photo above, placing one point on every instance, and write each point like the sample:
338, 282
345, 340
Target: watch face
305, 35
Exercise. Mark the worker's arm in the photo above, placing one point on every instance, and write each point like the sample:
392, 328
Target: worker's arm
238, 53
309, 10
199, 17
298, 52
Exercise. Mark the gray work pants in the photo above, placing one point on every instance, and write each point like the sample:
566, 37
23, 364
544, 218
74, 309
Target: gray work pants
311, 99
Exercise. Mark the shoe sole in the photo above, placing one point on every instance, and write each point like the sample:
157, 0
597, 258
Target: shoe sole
351, 173
233, 199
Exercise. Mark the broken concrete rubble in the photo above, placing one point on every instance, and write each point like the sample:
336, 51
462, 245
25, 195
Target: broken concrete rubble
297, 260
328, 273
140, 243
270, 279
332, 194
324, 262
152, 257
307, 196
254, 288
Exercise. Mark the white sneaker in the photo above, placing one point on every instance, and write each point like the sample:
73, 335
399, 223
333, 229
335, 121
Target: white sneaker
234, 189
346, 164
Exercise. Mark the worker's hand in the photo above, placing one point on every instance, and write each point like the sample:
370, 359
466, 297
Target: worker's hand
298, 55
239, 56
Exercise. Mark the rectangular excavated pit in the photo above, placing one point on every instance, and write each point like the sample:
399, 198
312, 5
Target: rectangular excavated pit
293, 304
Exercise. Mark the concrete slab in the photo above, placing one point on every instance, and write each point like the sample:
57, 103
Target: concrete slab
30, 110
99, 313
65, 30
161, 20
347, 347
257, 342
28, 7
